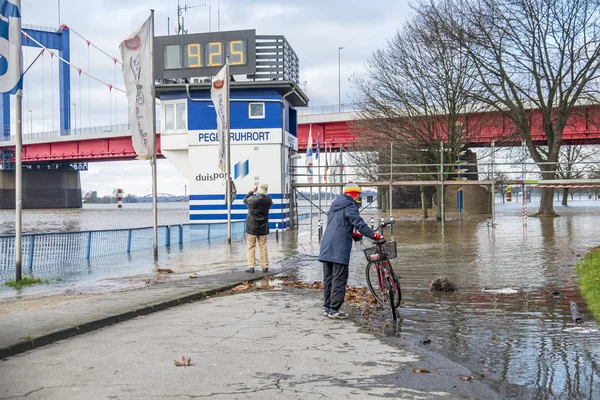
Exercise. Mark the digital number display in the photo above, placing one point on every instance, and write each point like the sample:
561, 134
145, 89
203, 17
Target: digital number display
214, 54
193, 56
202, 54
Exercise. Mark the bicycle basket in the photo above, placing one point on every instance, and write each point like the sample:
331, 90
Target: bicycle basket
388, 250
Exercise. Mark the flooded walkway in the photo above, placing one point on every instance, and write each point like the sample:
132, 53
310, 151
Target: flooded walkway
504, 322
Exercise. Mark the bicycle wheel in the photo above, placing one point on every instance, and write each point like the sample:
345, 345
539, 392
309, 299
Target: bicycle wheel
392, 294
397, 292
374, 284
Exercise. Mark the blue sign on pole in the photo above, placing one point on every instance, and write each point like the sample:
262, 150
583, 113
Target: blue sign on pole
11, 67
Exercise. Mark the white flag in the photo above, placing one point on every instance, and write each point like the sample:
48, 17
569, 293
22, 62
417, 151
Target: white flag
138, 73
309, 157
219, 94
10, 45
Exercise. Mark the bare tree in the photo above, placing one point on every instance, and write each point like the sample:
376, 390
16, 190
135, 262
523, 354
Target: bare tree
529, 55
414, 95
573, 164
595, 174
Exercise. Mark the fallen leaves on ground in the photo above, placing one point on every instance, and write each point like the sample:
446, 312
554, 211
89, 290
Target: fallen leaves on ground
164, 271
421, 371
466, 378
428, 341
194, 276
185, 361
244, 286
153, 282
303, 285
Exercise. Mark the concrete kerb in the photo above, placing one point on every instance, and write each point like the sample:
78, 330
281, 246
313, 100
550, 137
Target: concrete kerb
30, 343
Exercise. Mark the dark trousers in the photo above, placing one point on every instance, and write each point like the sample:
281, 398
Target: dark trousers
335, 278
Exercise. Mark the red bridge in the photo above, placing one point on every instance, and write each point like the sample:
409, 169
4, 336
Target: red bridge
335, 129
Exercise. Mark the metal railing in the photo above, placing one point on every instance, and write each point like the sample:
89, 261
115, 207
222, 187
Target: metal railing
49, 254
328, 109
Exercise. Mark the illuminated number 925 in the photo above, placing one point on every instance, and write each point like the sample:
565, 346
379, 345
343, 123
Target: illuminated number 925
215, 54
193, 57
237, 52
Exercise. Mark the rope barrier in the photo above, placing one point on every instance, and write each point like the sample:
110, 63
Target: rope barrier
110, 86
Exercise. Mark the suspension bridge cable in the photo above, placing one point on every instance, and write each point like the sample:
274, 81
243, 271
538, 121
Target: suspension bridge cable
43, 97
89, 92
78, 69
92, 44
80, 104
26, 84
116, 119
52, 85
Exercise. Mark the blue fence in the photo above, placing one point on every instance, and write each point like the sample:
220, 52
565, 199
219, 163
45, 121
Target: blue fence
46, 253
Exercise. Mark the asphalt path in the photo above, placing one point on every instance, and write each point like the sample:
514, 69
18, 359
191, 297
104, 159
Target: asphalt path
253, 345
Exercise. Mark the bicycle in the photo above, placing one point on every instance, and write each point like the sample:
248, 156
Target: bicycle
382, 281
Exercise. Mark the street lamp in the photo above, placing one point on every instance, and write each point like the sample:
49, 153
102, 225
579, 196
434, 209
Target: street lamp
74, 117
340, 79
30, 121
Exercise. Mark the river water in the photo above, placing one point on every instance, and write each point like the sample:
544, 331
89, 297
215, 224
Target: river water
509, 321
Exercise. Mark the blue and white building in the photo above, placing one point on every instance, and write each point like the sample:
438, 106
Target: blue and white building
263, 124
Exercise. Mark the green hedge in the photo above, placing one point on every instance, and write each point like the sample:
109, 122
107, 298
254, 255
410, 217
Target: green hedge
588, 270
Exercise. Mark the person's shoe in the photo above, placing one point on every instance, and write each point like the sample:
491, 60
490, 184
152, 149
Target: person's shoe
337, 315
326, 311
250, 270
265, 270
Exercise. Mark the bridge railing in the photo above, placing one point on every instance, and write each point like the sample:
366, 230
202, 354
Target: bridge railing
328, 109
51, 255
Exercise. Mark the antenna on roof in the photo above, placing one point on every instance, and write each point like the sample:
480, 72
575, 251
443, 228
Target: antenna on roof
195, 5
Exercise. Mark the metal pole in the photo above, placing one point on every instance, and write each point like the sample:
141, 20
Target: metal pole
391, 174
524, 187
30, 121
341, 171
442, 182
493, 186
319, 175
59, 13
228, 152
18, 184
153, 162
311, 204
340, 79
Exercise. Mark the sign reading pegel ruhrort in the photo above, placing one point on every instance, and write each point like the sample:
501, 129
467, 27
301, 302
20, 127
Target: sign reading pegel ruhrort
203, 54
237, 137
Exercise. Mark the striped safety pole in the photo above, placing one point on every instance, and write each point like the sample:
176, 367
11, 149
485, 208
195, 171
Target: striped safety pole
120, 198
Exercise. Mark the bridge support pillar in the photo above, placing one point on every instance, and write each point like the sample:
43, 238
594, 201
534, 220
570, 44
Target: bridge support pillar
42, 189
5, 116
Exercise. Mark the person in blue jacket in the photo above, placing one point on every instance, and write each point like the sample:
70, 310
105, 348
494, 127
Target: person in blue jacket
343, 218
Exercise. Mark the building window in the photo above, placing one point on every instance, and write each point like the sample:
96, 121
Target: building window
256, 110
175, 116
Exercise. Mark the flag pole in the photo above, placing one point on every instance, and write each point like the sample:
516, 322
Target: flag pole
18, 185
153, 162
228, 152
319, 169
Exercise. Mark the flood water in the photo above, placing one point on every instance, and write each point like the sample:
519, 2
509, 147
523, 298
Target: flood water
504, 321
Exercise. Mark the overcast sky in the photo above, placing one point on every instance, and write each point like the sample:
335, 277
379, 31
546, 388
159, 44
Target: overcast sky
314, 28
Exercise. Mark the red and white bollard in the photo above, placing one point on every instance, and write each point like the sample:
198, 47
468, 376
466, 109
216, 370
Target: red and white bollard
120, 198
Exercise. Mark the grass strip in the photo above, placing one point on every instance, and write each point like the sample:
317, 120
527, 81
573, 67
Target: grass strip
588, 271
28, 281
